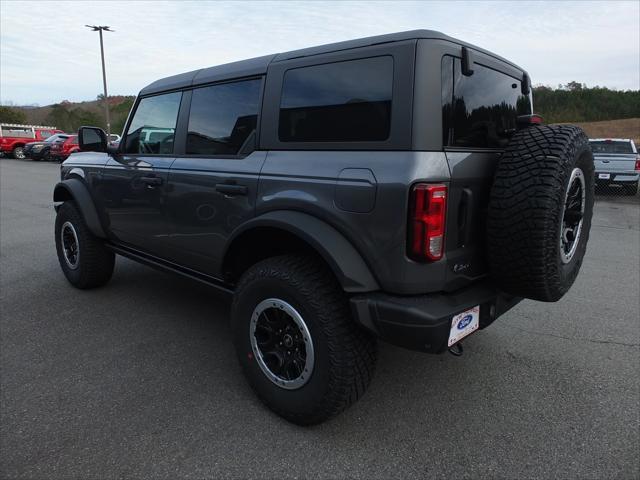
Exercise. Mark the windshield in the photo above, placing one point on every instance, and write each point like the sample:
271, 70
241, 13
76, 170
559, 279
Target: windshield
611, 146
56, 137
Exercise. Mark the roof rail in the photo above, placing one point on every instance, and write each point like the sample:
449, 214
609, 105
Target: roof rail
28, 126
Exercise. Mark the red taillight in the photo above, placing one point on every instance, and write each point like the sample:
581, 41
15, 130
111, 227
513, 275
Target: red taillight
427, 208
637, 163
533, 119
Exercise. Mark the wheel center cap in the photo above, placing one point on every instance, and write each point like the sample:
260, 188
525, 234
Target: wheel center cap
287, 340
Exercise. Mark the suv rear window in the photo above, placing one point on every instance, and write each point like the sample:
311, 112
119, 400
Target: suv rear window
611, 146
337, 102
479, 110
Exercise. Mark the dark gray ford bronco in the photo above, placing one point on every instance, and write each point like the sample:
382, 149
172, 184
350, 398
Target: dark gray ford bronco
397, 187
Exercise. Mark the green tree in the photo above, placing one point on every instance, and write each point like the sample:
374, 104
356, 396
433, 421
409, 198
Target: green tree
119, 114
575, 102
12, 115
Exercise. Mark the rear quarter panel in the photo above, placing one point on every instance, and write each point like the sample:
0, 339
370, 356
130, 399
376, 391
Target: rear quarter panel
311, 182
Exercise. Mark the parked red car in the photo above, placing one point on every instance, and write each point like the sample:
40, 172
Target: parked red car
14, 137
61, 149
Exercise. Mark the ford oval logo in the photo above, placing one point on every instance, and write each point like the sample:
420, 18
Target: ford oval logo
466, 320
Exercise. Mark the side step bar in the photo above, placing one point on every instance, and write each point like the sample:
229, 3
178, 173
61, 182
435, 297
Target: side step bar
163, 265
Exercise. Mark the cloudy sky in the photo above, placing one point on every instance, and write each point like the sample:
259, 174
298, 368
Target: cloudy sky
47, 55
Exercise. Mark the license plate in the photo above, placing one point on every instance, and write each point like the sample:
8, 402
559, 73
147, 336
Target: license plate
604, 176
464, 324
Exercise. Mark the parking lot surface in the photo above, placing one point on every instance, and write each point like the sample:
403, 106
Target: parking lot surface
139, 378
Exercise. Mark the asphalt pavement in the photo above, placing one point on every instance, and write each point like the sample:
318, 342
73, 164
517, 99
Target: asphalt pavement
139, 378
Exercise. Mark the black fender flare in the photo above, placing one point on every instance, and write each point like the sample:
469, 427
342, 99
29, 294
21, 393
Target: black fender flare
345, 261
74, 189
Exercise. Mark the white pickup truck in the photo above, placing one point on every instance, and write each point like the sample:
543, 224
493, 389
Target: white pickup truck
617, 164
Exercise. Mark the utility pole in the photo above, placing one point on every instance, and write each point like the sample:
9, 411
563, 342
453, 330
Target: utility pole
99, 29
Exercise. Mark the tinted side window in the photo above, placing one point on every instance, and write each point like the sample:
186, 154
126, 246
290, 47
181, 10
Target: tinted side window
222, 117
338, 102
153, 125
479, 110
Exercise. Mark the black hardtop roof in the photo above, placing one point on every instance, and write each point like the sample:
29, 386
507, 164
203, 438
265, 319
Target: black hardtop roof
258, 65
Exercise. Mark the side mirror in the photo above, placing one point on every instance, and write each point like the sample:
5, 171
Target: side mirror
92, 139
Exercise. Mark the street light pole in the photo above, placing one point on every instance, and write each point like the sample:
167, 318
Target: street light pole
99, 29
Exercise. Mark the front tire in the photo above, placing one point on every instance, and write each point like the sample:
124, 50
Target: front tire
84, 260
300, 350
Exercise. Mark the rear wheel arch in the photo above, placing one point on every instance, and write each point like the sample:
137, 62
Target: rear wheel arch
282, 232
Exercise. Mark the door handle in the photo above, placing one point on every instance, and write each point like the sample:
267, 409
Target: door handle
151, 181
231, 189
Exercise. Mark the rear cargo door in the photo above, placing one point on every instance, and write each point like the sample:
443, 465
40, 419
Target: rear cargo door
479, 117
614, 163
613, 155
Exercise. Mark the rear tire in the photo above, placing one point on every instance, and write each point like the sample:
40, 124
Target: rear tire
540, 211
18, 153
299, 295
85, 261
632, 190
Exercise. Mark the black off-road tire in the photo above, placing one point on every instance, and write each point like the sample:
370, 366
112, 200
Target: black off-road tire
95, 263
527, 207
345, 354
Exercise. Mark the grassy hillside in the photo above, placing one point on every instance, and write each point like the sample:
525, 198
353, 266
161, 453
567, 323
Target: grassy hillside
625, 128
68, 116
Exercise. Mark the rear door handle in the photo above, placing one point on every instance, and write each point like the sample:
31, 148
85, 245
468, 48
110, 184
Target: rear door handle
231, 189
151, 181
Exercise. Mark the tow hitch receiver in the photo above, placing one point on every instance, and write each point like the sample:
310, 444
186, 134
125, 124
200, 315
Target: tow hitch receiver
456, 349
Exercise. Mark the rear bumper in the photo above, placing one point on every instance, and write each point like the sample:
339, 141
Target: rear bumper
617, 178
423, 322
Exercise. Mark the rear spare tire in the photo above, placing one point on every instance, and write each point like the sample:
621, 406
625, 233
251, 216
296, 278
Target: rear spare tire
540, 211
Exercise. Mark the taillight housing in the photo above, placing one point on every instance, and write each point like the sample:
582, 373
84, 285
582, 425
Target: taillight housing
528, 120
637, 164
427, 212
